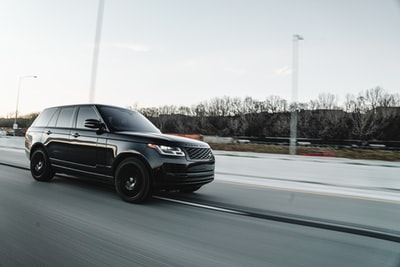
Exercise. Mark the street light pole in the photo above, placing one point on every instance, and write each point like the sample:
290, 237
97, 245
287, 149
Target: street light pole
96, 51
293, 114
15, 126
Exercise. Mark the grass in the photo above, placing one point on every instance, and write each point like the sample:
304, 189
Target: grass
351, 153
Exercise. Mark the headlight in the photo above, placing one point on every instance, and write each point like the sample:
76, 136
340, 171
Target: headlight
168, 150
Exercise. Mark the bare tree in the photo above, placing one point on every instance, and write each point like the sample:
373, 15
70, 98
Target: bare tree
373, 97
327, 101
361, 116
276, 104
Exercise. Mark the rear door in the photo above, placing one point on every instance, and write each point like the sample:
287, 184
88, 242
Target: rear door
57, 136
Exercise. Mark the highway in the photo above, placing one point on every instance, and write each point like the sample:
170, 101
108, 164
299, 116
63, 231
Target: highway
76, 222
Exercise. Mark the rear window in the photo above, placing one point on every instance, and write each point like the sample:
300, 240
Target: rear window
44, 117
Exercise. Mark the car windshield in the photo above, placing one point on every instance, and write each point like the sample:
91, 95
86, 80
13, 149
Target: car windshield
119, 119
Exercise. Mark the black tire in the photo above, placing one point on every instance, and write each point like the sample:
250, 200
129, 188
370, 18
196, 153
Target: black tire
132, 181
189, 189
40, 166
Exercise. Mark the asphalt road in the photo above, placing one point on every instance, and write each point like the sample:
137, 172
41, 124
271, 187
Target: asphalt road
75, 222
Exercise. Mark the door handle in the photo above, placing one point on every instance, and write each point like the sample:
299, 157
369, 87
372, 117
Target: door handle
75, 135
49, 132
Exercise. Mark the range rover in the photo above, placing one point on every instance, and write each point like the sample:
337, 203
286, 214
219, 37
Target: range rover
117, 145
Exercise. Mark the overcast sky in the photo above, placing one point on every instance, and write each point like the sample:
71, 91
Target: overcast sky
182, 52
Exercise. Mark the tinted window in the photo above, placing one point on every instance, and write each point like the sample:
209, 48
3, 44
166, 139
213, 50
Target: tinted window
53, 120
84, 114
65, 117
44, 117
119, 119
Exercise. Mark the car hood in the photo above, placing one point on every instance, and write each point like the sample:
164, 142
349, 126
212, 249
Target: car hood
164, 139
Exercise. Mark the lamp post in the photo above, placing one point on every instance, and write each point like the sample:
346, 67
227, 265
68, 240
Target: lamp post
96, 51
293, 115
15, 126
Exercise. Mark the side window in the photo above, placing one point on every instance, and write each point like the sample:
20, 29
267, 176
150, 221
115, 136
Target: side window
85, 113
53, 120
65, 117
44, 117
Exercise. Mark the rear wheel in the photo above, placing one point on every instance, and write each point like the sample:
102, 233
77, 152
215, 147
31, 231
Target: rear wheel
40, 166
132, 181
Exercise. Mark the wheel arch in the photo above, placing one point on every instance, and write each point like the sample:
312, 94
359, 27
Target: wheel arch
35, 147
131, 154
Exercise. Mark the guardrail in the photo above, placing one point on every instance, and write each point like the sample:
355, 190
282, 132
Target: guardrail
370, 144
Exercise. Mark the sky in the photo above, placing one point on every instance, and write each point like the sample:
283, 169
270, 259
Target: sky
182, 52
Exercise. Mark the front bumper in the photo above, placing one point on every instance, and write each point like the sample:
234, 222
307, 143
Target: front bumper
172, 175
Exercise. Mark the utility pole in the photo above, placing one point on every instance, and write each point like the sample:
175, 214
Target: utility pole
96, 51
293, 114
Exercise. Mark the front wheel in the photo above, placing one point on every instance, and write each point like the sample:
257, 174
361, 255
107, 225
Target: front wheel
132, 181
40, 166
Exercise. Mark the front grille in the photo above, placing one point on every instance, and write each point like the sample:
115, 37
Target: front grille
195, 153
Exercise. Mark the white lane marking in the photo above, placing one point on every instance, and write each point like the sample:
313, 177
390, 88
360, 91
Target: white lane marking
201, 205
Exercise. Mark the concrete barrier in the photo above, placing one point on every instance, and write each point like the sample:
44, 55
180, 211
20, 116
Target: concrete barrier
17, 142
218, 139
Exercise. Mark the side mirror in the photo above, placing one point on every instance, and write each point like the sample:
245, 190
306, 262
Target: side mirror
94, 124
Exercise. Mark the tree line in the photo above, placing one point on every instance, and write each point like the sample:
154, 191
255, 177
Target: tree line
372, 114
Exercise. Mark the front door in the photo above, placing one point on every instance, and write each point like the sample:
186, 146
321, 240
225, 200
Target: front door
83, 142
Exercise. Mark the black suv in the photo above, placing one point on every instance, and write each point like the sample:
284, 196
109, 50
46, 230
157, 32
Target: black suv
116, 145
